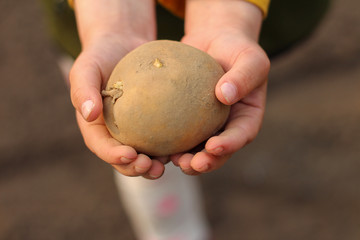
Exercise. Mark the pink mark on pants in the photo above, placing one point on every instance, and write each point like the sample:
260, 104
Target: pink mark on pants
168, 206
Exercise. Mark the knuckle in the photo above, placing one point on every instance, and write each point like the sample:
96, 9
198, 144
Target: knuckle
76, 96
244, 82
73, 74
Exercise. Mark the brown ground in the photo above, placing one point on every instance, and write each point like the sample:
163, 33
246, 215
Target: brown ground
299, 180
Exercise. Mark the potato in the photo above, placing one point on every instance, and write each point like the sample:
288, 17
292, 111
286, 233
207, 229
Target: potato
160, 98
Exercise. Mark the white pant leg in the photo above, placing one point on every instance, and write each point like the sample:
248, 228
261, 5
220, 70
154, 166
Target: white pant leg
164, 209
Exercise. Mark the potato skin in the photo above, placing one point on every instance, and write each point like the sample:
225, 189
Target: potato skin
167, 103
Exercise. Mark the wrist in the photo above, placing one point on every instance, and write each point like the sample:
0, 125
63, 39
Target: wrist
104, 40
223, 16
127, 19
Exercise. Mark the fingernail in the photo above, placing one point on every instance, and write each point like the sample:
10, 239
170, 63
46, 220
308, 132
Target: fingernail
154, 176
204, 168
140, 169
87, 108
126, 160
217, 150
185, 167
229, 91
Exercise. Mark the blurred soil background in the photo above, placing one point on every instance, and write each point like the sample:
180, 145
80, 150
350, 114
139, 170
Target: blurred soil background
298, 180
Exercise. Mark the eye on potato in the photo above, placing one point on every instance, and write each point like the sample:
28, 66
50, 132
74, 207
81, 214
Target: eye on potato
160, 98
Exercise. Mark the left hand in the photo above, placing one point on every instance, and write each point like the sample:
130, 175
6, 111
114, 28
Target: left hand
228, 31
118, 28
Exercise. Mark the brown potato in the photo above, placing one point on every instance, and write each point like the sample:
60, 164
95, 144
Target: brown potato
160, 98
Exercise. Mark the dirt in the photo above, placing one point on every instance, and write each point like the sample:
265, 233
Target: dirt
298, 180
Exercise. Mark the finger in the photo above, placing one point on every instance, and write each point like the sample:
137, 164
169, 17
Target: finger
185, 164
164, 160
175, 159
156, 171
204, 162
139, 167
100, 142
244, 124
248, 72
142, 164
85, 85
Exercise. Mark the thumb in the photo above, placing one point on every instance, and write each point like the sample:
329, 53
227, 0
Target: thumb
248, 72
85, 85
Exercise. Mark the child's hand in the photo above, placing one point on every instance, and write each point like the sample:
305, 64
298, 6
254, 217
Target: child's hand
89, 73
228, 31
119, 27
